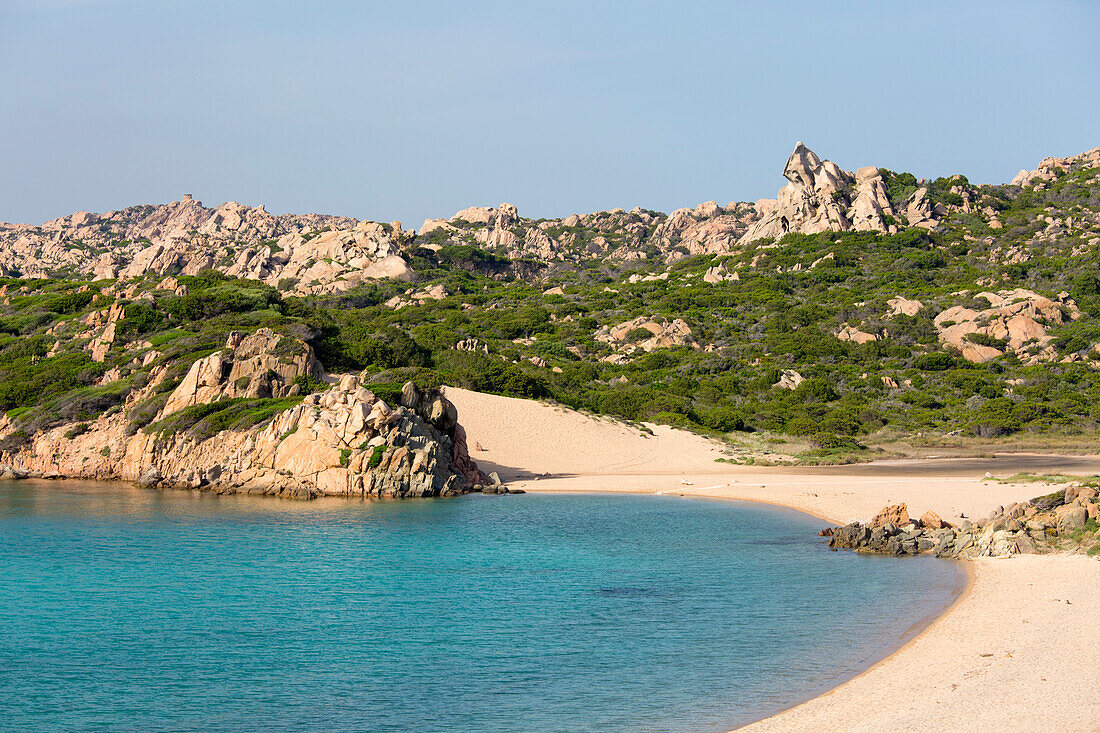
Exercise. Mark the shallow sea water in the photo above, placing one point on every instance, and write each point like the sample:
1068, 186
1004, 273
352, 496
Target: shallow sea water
133, 610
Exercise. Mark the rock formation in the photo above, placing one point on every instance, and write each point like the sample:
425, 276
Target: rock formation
253, 366
789, 379
1015, 317
305, 253
820, 197
851, 333
1048, 168
345, 441
1048, 523
662, 334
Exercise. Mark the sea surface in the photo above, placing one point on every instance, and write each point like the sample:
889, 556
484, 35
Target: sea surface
135, 610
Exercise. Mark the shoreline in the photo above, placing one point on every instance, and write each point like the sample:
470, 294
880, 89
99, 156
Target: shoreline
910, 637
1009, 649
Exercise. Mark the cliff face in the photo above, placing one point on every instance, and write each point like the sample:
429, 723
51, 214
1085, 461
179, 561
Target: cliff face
344, 441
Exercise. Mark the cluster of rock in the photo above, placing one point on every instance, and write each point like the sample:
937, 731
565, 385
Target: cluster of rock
306, 253
616, 234
661, 333
1049, 168
314, 253
1017, 321
820, 197
1044, 524
343, 441
1017, 317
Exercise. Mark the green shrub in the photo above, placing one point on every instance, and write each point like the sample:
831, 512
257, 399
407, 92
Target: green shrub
936, 362
376, 456
77, 430
72, 302
831, 441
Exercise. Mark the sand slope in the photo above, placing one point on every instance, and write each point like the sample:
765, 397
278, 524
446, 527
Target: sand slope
1011, 653
522, 438
568, 451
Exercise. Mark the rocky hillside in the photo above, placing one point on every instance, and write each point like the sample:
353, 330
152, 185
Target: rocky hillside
856, 307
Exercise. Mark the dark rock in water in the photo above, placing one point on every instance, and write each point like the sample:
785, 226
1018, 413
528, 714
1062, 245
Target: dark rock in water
516, 491
8, 473
827, 532
849, 537
878, 537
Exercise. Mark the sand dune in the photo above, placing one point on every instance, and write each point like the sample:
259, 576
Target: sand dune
1013, 650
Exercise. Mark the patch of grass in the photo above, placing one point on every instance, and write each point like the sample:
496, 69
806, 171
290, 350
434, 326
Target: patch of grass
376, 456
207, 420
1048, 478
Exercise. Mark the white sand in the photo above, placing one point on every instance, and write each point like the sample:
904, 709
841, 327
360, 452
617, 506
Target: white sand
1038, 673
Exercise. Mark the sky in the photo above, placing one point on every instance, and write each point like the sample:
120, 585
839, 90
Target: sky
408, 110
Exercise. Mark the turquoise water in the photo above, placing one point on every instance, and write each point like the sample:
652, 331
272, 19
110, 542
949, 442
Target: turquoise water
131, 610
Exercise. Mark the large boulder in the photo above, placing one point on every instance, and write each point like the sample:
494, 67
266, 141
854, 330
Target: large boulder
263, 364
896, 514
1071, 518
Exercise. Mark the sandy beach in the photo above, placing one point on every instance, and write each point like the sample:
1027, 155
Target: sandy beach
1010, 651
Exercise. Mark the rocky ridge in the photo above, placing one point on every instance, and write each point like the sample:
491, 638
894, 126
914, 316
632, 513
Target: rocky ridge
315, 253
309, 253
1049, 168
343, 441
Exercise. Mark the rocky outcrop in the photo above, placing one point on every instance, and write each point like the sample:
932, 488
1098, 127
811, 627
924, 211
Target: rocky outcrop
616, 234
344, 441
789, 379
261, 365
718, 274
851, 333
820, 197
1049, 168
900, 306
1018, 319
896, 514
662, 333
304, 253
1053, 523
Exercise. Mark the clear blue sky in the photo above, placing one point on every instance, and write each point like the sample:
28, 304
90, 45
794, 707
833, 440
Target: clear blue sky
401, 110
